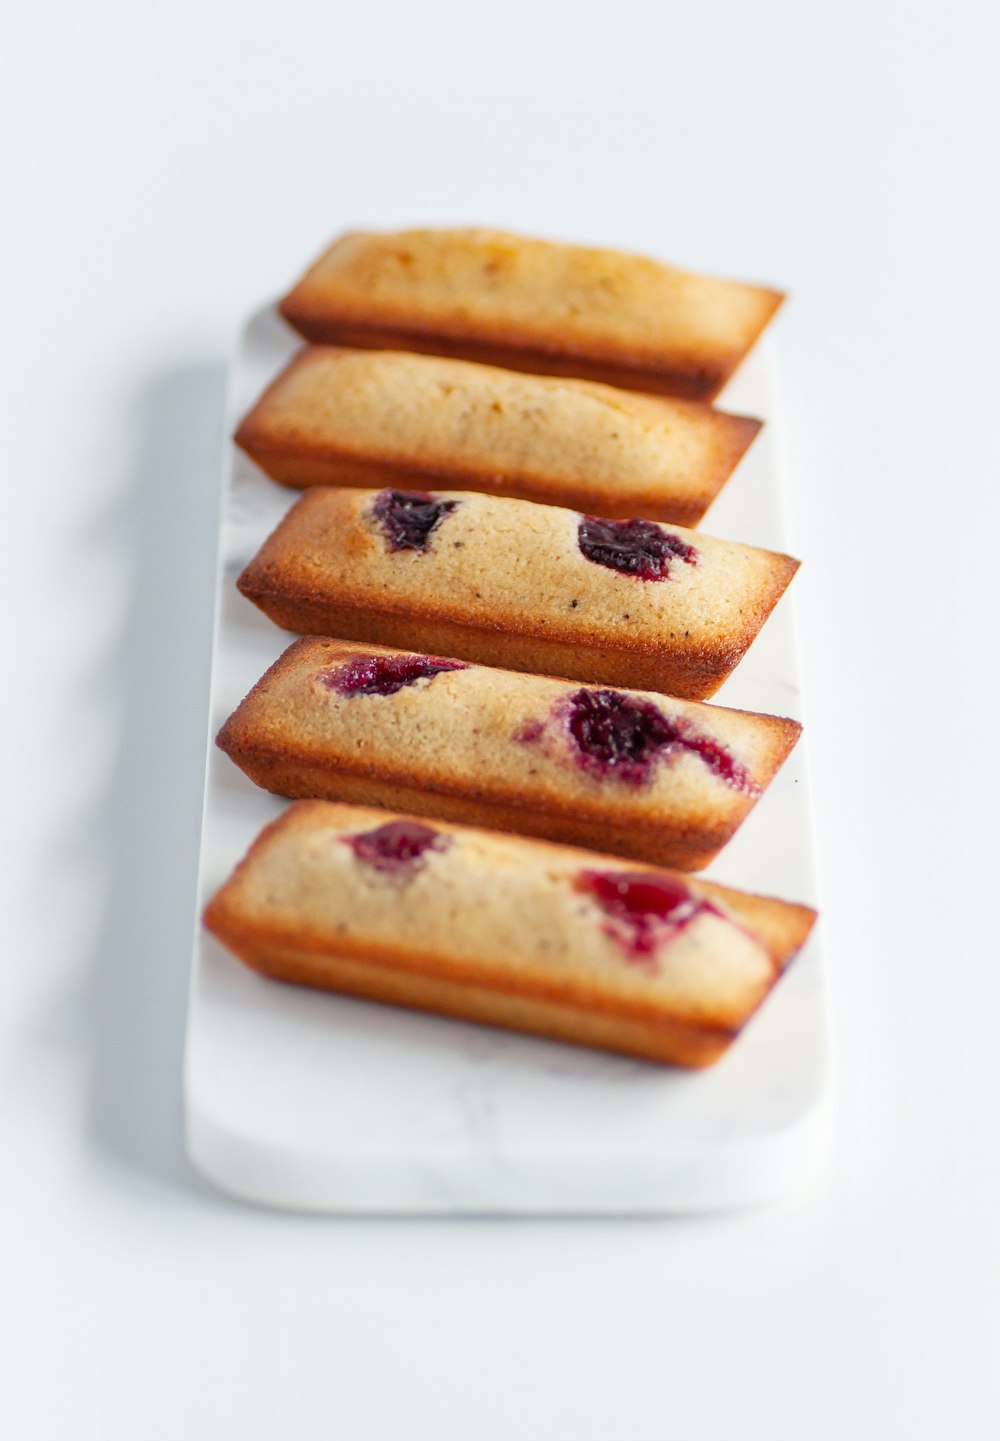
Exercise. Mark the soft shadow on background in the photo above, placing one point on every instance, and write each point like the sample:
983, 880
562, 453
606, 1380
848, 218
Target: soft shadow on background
143, 838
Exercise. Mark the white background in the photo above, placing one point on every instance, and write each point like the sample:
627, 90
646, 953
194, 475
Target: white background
167, 167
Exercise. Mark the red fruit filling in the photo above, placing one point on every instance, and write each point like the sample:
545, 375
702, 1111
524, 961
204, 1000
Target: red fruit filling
384, 674
634, 547
644, 910
408, 517
617, 732
622, 734
530, 730
398, 846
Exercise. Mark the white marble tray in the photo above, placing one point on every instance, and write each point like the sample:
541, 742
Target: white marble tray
304, 1100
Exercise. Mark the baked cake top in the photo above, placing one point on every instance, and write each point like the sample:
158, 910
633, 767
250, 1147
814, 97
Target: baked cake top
495, 909
539, 570
555, 742
515, 291
462, 423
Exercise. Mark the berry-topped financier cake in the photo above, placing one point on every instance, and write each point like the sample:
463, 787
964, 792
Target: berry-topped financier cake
514, 584
518, 933
357, 417
659, 779
532, 305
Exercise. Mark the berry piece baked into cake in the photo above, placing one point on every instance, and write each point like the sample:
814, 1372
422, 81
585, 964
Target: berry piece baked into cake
509, 583
532, 305
516, 933
356, 417
635, 773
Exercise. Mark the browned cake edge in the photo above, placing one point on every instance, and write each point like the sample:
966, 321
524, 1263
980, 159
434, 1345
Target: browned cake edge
313, 615
662, 1039
285, 771
467, 992
686, 382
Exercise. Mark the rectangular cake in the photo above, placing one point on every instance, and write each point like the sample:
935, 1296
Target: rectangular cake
634, 773
518, 585
522, 934
533, 305
370, 418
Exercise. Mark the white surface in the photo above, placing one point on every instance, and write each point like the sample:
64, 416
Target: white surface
328, 1103
164, 166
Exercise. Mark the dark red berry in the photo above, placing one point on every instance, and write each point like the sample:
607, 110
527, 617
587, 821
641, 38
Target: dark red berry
645, 910
618, 732
397, 846
408, 517
633, 547
384, 674
621, 734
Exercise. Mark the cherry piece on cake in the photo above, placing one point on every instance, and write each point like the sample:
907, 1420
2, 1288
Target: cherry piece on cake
385, 675
644, 910
407, 517
716, 757
622, 735
615, 732
397, 847
633, 547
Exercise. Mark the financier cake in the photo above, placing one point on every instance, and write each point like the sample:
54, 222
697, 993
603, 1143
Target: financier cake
657, 779
532, 305
518, 585
495, 928
368, 418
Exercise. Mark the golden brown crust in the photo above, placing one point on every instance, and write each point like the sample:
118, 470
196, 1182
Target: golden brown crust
532, 305
364, 418
504, 582
665, 1040
491, 748
496, 928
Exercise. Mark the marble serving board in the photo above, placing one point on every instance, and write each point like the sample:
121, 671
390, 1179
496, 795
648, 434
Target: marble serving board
310, 1101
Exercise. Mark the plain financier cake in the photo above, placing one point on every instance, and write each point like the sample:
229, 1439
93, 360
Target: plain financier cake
369, 418
494, 928
532, 305
656, 779
518, 585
